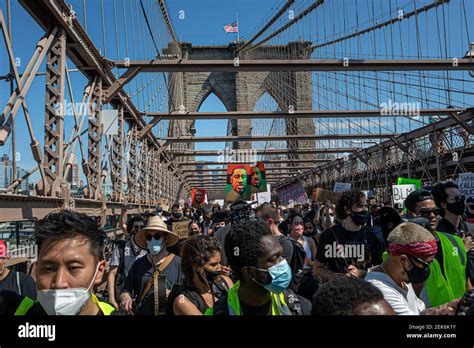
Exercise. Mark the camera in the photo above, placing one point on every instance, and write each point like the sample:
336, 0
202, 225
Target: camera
390, 218
466, 305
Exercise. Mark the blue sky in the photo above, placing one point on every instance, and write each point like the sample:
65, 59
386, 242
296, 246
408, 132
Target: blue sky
198, 21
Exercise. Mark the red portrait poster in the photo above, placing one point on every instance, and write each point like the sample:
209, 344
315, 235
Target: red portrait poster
197, 197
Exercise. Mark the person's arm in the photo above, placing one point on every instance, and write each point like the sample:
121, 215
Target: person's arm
125, 298
182, 306
445, 309
121, 223
111, 286
321, 270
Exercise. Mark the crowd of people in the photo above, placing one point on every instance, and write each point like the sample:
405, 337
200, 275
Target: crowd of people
349, 257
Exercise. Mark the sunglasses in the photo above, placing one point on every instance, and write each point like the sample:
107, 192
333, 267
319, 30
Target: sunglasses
155, 236
427, 212
471, 206
137, 227
459, 198
417, 259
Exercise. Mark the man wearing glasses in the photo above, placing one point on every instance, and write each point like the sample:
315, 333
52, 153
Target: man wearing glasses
151, 277
411, 250
450, 272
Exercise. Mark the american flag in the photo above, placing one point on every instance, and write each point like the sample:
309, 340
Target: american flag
231, 28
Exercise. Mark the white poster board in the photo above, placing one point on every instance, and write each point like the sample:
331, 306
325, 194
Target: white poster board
401, 192
466, 184
341, 186
264, 197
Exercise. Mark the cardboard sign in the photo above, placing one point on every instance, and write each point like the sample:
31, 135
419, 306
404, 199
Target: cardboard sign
466, 184
325, 195
180, 228
401, 192
293, 193
342, 186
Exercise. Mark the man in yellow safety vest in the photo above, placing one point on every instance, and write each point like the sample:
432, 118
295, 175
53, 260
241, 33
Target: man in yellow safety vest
70, 262
449, 273
255, 257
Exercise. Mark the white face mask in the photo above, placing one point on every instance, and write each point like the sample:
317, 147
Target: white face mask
65, 301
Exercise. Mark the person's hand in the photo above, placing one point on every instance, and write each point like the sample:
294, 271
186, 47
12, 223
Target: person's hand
445, 309
353, 271
468, 242
114, 303
226, 270
126, 303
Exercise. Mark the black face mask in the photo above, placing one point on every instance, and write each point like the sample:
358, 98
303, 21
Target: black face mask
211, 275
360, 218
417, 275
177, 215
457, 208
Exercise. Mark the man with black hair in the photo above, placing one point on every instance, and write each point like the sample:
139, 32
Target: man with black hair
452, 208
239, 211
70, 262
348, 247
450, 271
124, 254
219, 220
176, 215
255, 257
350, 296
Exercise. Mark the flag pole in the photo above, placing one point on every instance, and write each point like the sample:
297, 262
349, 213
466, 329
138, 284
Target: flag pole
238, 29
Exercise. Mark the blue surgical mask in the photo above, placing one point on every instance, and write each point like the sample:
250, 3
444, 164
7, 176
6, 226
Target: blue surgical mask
281, 277
155, 245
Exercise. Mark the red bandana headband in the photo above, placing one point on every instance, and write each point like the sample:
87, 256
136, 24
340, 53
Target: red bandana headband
416, 249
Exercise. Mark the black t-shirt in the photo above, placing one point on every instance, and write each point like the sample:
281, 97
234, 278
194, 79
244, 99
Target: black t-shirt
15, 281
265, 309
339, 248
221, 307
138, 276
190, 293
447, 227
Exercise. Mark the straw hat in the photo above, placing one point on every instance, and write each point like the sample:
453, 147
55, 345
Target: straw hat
155, 223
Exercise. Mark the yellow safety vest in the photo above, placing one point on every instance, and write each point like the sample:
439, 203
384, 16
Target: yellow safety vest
439, 289
279, 306
27, 303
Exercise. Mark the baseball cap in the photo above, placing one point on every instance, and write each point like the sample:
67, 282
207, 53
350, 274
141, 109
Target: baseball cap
415, 197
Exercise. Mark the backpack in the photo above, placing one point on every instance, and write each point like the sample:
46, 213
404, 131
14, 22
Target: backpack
296, 263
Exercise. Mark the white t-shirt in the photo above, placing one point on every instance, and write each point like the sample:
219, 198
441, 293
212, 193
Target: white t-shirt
403, 302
